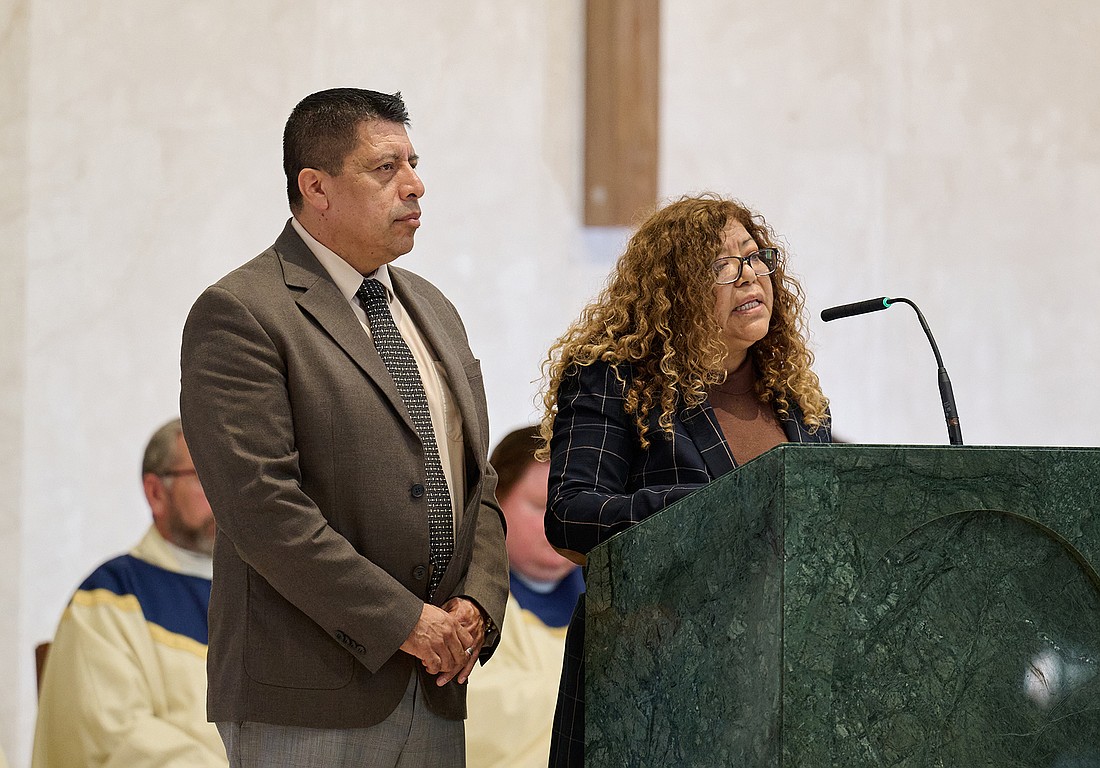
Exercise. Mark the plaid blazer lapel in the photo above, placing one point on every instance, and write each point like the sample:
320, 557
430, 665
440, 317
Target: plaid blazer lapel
702, 427
797, 432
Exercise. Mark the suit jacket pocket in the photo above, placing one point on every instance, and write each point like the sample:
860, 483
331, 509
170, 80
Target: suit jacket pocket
285, 647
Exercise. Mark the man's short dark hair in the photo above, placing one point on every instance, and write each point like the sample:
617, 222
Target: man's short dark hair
513, 455
323, 129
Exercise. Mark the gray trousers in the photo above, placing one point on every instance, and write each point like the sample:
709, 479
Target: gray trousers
411, 737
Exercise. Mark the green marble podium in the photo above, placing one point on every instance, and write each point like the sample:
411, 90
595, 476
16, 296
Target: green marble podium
855, 605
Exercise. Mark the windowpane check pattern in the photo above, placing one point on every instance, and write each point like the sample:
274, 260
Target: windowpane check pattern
402, 367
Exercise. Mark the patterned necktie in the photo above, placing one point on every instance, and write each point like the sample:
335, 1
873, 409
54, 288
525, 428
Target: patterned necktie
402, 367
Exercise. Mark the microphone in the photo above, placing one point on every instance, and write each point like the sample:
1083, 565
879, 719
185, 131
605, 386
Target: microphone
947, 397
858, 308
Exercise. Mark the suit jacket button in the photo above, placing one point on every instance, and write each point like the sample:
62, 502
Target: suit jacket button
419, 572
417, 490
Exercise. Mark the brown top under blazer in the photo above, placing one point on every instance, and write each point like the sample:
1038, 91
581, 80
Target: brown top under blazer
315, 474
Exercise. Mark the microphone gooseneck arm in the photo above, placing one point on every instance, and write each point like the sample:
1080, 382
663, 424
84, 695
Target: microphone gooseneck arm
947, 396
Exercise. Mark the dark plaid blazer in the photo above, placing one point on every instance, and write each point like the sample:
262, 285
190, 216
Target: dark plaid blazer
602, 482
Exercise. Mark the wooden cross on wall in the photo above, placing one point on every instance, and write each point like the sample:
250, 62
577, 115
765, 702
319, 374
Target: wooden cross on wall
621, 103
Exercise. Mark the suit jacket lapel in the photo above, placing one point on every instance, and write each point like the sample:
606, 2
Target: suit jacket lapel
798, 433
322, 300
702, 425
793, 430
423, 312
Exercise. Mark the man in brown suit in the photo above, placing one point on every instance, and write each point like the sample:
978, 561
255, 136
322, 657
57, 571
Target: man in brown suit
341, 627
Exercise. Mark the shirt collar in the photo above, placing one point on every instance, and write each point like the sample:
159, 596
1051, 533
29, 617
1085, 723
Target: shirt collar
346, 277
154, 548
192, 563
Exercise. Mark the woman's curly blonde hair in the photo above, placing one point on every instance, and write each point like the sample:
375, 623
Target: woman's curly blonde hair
657, 315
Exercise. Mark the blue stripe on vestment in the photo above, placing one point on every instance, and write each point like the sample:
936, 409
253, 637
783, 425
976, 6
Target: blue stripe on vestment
555, 607
175, 601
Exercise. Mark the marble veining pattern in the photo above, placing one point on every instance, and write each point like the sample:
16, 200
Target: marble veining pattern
856, 605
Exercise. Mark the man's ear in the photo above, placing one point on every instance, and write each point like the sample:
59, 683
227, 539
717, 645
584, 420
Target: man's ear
313, 184
156, 493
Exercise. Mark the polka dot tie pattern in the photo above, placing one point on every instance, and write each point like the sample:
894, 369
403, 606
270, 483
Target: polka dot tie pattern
402, 367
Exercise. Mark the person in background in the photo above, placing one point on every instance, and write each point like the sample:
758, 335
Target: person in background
125, 678
337, 417
511, 702
691, 362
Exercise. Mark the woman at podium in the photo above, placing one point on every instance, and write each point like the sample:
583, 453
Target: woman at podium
691, 361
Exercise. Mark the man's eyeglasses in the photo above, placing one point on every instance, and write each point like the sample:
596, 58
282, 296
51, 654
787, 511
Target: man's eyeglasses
177, 473
728, 268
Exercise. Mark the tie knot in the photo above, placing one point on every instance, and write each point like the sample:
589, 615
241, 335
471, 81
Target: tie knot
372, 290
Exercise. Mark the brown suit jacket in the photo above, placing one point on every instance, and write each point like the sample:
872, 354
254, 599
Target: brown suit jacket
310, 462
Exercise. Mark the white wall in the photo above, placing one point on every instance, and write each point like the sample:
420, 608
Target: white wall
14, 51
925, 149
947, 152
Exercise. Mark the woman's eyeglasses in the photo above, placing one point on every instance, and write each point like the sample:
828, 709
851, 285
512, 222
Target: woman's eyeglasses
728, 269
